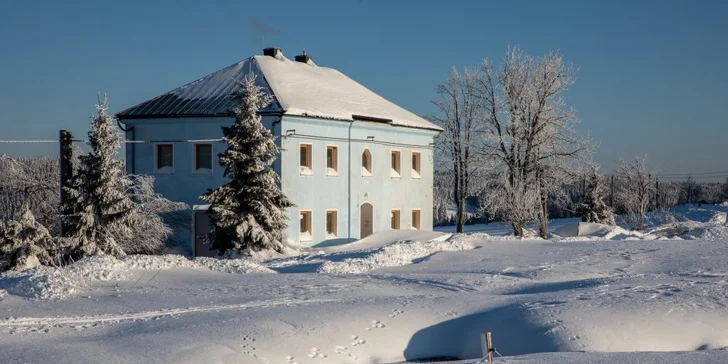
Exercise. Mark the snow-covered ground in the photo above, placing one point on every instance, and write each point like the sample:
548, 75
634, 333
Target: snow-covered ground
608, 297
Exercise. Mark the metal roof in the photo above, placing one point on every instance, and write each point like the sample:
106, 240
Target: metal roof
297, 88
207, 96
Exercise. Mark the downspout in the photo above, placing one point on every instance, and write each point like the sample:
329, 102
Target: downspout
280, 138
133, 145
348, 181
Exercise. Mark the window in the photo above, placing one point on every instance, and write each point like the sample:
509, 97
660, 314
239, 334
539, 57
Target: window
305, 230
203, 158
305, 164
366, 163
416, 219
332, 160
395, 164
331, 224
164, 158
416, 156
395, 220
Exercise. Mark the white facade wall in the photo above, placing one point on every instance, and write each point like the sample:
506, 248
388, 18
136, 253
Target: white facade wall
317, 191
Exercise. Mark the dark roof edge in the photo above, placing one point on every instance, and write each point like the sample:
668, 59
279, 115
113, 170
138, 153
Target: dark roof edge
179, 116
352, 121
120, 113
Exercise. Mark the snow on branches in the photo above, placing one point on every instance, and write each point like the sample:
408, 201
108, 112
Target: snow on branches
25, 243
100, 210
248, 212
636, 190
509, 130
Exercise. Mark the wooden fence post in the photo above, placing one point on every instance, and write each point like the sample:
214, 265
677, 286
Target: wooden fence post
486, 345
65, 140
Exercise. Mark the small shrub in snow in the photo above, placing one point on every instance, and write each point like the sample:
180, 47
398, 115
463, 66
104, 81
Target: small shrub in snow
594, 209
248, 213
24, 243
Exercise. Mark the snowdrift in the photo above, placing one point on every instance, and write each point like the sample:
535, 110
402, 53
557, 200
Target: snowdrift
592, 231
48, 283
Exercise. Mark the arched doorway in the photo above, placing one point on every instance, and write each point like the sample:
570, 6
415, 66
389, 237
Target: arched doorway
366, 225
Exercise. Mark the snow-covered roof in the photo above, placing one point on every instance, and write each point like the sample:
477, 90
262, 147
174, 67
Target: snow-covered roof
299, 88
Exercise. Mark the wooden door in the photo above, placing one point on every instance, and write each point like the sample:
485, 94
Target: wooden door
367, 217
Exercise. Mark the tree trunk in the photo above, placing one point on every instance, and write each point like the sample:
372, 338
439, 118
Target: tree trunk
517, 229
460, 215
543, 223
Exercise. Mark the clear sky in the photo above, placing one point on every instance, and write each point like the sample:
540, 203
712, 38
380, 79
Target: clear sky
653, 74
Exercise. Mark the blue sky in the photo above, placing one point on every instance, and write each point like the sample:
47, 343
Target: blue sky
652, 74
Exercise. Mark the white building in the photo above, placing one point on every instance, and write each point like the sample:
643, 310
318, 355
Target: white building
352, 162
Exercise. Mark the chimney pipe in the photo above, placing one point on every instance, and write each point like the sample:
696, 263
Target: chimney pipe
303, 58
272, 52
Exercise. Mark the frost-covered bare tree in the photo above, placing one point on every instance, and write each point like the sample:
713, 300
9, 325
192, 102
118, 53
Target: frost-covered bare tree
669, 194
690, 190
148, 229
30, 182
636, 189
457, 146
441, 197
529, 132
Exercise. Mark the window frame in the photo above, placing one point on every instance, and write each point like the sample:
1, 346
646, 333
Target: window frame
195, 170
395, 173
392, 213
305, 170
367, 171
416, 173
418, 212
308, 234
335, 233
335, 170
156, 159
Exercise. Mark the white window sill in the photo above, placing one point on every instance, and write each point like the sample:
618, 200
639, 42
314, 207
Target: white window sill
394, 174
305, 171
331, 236
416, 175
305, 237
332, 172
202, 172
365, 172
164, 170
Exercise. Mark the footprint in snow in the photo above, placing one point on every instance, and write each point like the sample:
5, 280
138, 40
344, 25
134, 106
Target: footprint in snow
342, 350
395, 313
291, 360
357, 341
316, 353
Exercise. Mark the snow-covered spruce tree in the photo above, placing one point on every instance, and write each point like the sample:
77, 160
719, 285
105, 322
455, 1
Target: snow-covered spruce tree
25, 243
724, 191
248, 212
593, 208
99, 206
